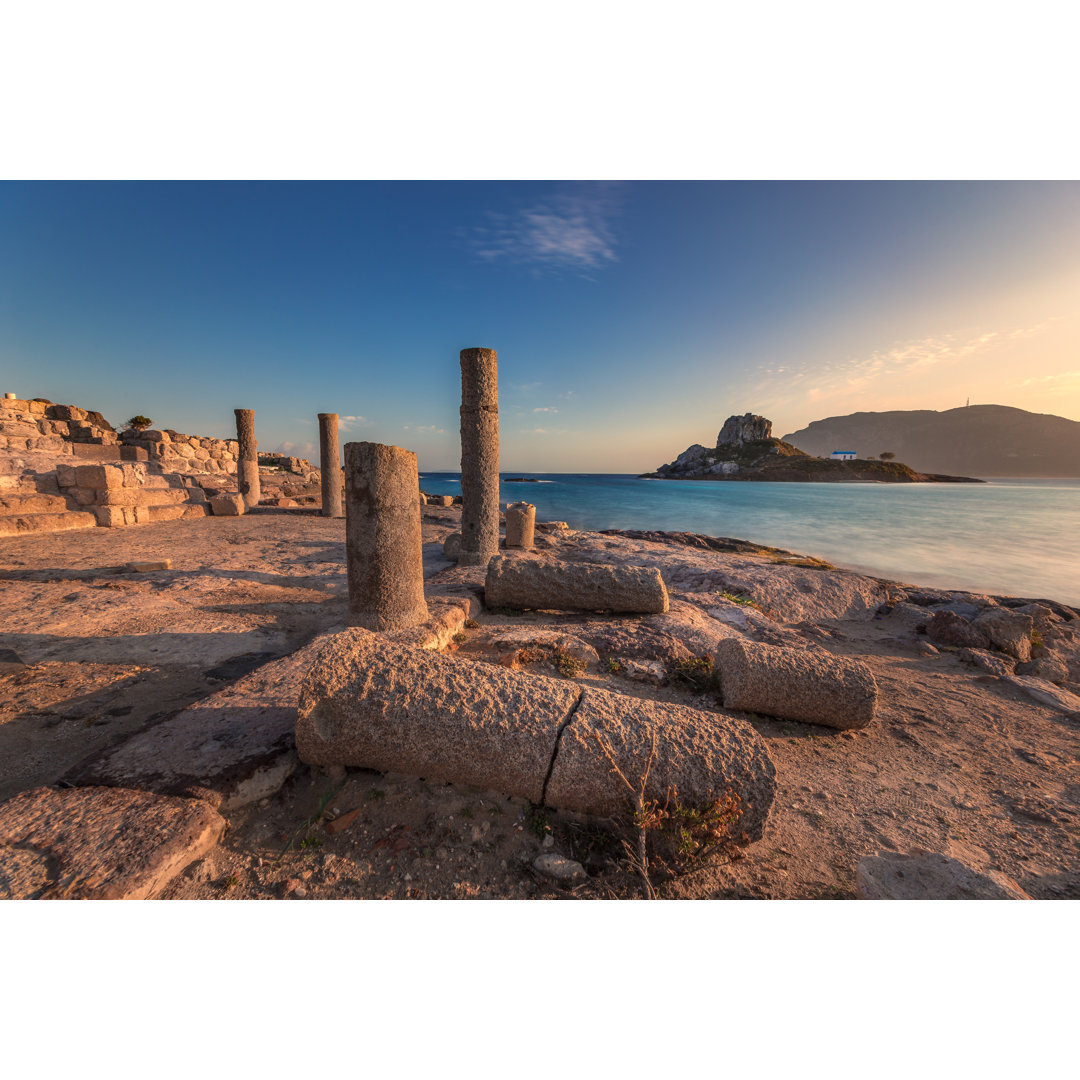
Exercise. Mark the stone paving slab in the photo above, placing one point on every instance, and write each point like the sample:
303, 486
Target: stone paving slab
99, 843
229, 749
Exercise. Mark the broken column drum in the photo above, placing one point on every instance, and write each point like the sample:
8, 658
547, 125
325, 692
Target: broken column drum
247, 458
479, 456
520, 525
382, 537
330, 464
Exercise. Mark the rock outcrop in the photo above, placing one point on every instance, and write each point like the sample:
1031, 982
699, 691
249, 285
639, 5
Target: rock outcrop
739, 430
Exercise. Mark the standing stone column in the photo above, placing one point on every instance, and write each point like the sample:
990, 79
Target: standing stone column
330, 464
247, 459
383, 548
479, 457
520, 525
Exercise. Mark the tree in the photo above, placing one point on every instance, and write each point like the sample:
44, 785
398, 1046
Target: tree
139, 422
888, 455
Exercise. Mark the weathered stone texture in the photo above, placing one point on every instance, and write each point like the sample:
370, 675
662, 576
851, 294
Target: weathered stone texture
373, 703
479, 456
99, 843
247, 458
383, 542
228, 505
700, 758
520, 525
796, 684
552, 585
330, 464
1009, 631
890, 875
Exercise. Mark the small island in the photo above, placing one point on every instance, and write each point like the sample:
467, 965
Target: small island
746, 450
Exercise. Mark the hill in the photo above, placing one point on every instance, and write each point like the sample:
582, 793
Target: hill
976, 440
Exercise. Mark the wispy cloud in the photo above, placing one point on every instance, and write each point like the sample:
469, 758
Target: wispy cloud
1053, 382
570, 231
423, 429
347, 423
546, 408
292, 449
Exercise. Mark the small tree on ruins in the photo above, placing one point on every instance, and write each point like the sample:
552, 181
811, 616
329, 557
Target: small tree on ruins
888, 455
139, 423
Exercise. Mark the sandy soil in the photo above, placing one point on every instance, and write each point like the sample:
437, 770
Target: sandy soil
958, 761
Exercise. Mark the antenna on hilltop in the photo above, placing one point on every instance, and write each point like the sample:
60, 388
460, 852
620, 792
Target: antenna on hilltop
967, 403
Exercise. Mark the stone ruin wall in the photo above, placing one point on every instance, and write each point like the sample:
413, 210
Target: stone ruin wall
176, 452
44, 428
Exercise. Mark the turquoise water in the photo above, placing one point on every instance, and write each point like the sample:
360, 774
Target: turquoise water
1014, 537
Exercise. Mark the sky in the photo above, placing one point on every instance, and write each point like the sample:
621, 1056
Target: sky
630, 319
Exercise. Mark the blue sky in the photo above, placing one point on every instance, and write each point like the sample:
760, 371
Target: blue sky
630, 318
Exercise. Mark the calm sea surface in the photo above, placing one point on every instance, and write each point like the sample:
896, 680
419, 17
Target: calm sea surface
1014, 537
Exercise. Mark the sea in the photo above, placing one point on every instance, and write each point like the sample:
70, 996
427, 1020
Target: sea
1003, 537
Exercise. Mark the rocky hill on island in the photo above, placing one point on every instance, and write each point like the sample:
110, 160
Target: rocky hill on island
976, 440
746, 450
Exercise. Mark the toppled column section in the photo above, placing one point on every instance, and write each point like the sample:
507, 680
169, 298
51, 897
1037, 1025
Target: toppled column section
796, 684
479, 456
553, 585
383, 547
374, 703
330, 464
520, 525
247, 464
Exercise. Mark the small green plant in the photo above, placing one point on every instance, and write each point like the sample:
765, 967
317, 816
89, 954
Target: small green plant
328, 796
471, 624
569, 667
1036, 639
310, 842
458, 638
538, 821
231, 882
738, 598
613, 666
376, 793
467, 813
886, 455
140, 422
693, 673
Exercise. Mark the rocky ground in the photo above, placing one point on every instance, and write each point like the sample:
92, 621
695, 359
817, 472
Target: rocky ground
965, 758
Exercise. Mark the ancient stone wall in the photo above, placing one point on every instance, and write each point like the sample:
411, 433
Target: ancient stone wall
176, 452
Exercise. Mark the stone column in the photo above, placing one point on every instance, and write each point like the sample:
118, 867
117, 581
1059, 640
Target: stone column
382, 537
247, 458
330, 464
520, 525
479, 457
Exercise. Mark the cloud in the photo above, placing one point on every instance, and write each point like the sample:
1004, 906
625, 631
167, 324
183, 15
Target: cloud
347, 423
570, 231
292, 449
546, 408
1053, 382
423, 429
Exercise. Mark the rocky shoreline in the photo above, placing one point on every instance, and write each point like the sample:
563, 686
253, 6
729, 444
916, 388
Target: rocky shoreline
967, 756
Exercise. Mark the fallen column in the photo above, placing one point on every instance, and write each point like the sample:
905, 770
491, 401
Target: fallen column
520, 525
551, 585
479, 456
795, 684
330, 465
383, 546
373, 703
247, 458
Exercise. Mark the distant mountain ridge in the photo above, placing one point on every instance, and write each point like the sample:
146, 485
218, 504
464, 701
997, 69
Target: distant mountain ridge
975, 440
